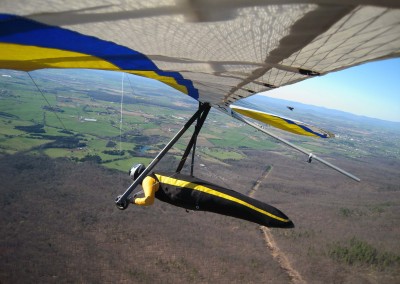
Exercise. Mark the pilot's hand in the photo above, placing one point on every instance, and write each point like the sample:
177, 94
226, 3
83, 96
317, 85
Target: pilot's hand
131, 199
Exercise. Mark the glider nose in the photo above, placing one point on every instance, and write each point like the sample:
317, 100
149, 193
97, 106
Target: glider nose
288, 225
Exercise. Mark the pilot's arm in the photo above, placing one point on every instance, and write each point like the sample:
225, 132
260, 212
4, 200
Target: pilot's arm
150, 186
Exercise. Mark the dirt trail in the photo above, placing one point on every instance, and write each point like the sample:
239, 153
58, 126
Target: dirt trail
276, 253
259, 181
280, 257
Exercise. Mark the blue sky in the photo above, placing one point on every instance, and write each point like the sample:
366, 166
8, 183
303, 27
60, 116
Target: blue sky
371, 89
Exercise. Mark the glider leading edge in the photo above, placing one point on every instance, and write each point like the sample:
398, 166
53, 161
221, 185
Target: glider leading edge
215, 52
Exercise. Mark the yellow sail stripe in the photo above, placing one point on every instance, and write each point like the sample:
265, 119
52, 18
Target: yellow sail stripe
274, 121
28, 58
186, 184
170, 81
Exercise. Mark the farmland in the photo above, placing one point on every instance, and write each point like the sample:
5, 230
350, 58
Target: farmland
63, 118
65, 148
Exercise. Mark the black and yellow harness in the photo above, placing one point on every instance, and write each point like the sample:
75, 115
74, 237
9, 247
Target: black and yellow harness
195, 194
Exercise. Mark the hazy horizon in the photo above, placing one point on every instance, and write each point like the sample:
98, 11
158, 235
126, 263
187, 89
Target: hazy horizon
369, 90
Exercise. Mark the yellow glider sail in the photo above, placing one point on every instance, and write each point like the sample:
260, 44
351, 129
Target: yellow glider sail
283, 123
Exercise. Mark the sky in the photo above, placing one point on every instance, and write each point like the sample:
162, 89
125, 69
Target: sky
371, 89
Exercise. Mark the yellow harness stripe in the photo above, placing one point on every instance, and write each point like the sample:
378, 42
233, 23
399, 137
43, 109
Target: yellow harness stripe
186, 184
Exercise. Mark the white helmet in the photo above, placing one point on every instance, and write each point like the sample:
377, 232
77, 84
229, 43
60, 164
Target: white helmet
136, 170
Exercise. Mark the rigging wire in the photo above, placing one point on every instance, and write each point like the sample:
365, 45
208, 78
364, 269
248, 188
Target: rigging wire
48, 103
137, 104
121, 116
120, 120
130, 84
214, 174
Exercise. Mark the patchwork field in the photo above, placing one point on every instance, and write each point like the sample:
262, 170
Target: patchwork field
66, 147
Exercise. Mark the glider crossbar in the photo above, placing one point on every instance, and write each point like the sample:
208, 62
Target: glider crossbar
310, 155
121, 200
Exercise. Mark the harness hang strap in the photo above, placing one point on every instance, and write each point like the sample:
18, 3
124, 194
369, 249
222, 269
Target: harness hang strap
192, 142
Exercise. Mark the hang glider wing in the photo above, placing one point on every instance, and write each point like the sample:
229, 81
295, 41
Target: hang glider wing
283, 123
29, 45
216, 52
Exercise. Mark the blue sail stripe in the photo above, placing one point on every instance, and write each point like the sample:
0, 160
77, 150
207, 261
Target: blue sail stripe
19, 30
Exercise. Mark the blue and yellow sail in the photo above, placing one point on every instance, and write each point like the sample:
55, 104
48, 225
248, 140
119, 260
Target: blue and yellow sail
283, 123
28, 45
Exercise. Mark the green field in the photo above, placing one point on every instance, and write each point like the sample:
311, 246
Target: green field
222, 155
76, 114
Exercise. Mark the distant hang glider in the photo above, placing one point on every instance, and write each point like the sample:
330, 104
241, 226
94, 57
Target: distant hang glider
216, 52
283, 123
